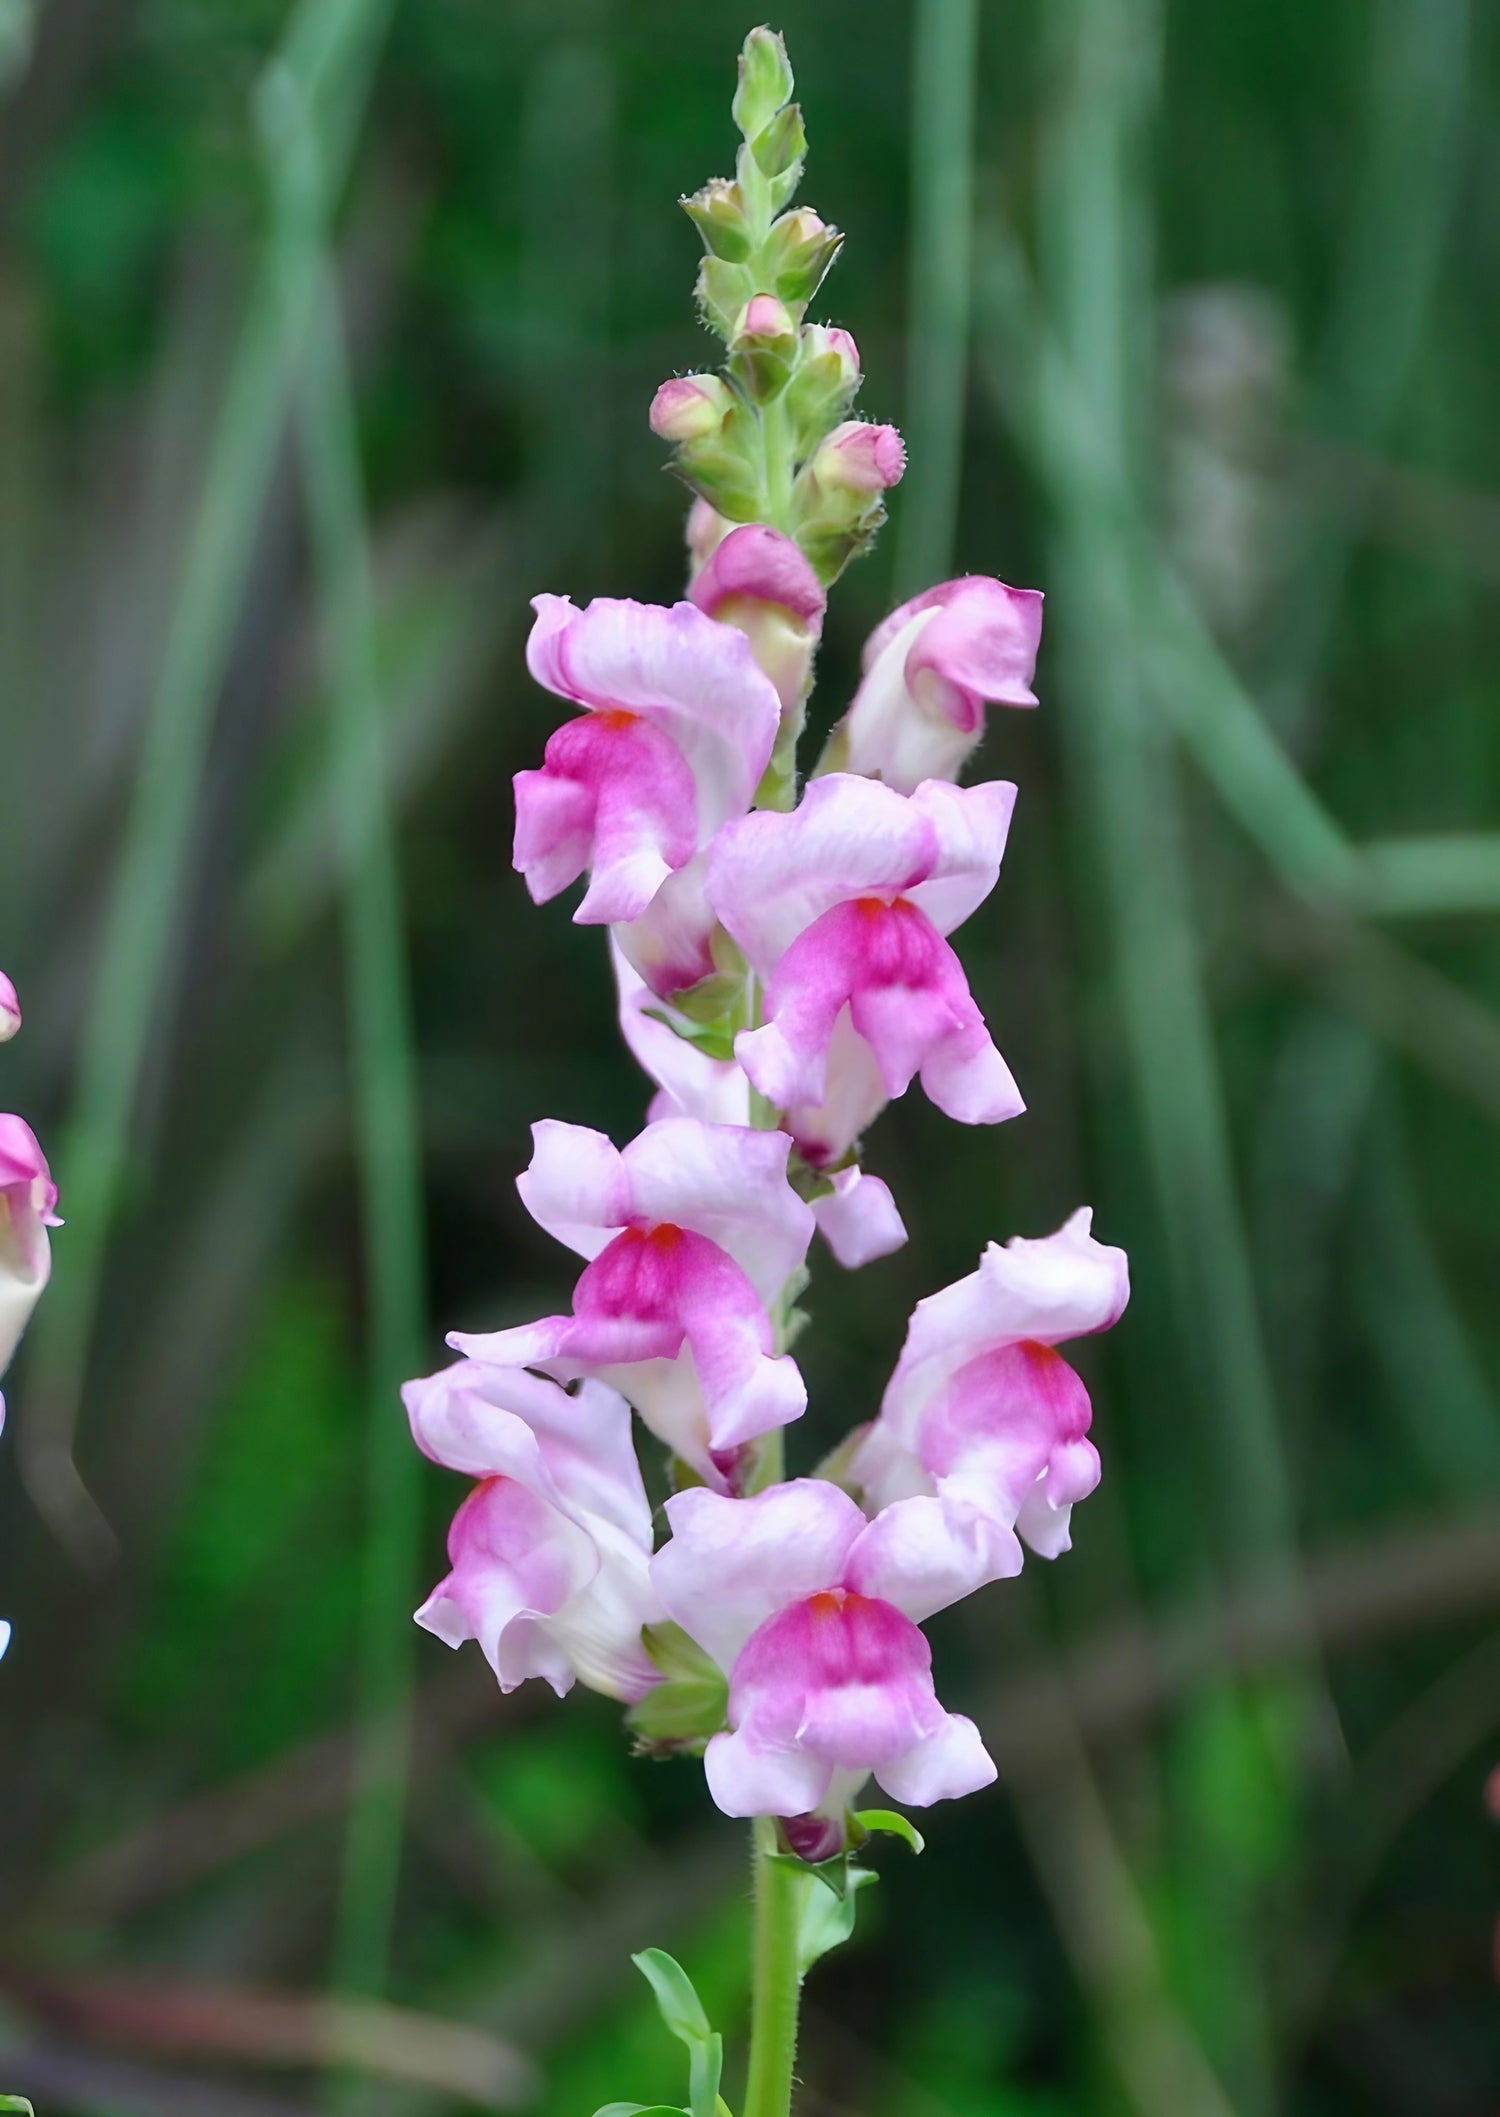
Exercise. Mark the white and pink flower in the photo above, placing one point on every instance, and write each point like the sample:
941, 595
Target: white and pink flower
550, 1553
812, 1613
842, 908
678, 727
28, 1200
858, 1218
690, 1234
982, 1413
929, 672
10, 1009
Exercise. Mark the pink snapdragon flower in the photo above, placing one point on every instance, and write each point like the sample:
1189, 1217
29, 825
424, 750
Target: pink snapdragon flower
550, 1552
858, 1218
28, 1199
691, 1232
841, 908
758, 581
982, 1413
929, 672
678, 727
812, 1614
10, 1009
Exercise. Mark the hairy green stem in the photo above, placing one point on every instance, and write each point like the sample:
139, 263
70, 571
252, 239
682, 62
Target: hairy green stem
776, 1979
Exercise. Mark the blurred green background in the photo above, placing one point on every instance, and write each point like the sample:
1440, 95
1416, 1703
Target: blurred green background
326, 339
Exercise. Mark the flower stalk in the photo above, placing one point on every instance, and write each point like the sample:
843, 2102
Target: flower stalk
785, 968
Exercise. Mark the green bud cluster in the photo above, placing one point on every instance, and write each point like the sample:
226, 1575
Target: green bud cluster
749, 449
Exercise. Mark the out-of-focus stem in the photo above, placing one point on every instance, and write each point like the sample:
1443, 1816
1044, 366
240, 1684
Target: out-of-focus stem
776, 1980
945, 52
388, 1136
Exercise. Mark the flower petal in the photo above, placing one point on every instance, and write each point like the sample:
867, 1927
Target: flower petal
575, 1186
725, 1182
946, 1764
733, 1563
751, 1776
859, 1219
922, 1555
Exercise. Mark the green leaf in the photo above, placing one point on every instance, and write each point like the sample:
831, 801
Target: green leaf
17, 2102
887, 1823
828, 1918
682, 2011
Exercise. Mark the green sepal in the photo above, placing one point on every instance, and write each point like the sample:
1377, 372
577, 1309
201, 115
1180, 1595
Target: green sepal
713, 999
717, 211
780, 147
818, 396
793, 264
681, 1713
723, 290
714, 1039
886, 1822
682, 2011
765, 81
827, 1919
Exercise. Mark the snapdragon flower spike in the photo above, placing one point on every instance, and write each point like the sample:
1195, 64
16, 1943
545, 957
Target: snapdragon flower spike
550, 1552
858, 1218
691, 1232
982, 1413
842, 908
28, 1198
812, 1614
758, 581
677, 729
929, 672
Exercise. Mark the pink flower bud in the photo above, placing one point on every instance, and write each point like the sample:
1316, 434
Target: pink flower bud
822, 338
706, 528
689, 408
860, 457
765, 319
758, 581
10, 1009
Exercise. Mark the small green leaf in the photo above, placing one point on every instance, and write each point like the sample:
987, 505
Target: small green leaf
17, 2102
828, 1918
714, 1039
886, 1822
682, 2011
681, 2008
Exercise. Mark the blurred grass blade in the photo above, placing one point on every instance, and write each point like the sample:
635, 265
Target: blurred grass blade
1095, 250
389, 1144
1421, 74
945, 40
328, 51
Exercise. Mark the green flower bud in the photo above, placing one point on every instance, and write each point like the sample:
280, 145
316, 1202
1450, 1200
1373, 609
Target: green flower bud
824, 385
797, 254
765, 82
718, 214
779, 147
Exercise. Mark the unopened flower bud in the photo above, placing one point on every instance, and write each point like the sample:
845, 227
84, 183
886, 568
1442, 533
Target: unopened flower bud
823, 385
764, 342
758, 581
765, 83
10, 1009
767, 322
859, 457
779, 148
797, 254
822, 341
689, 408
718, 214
